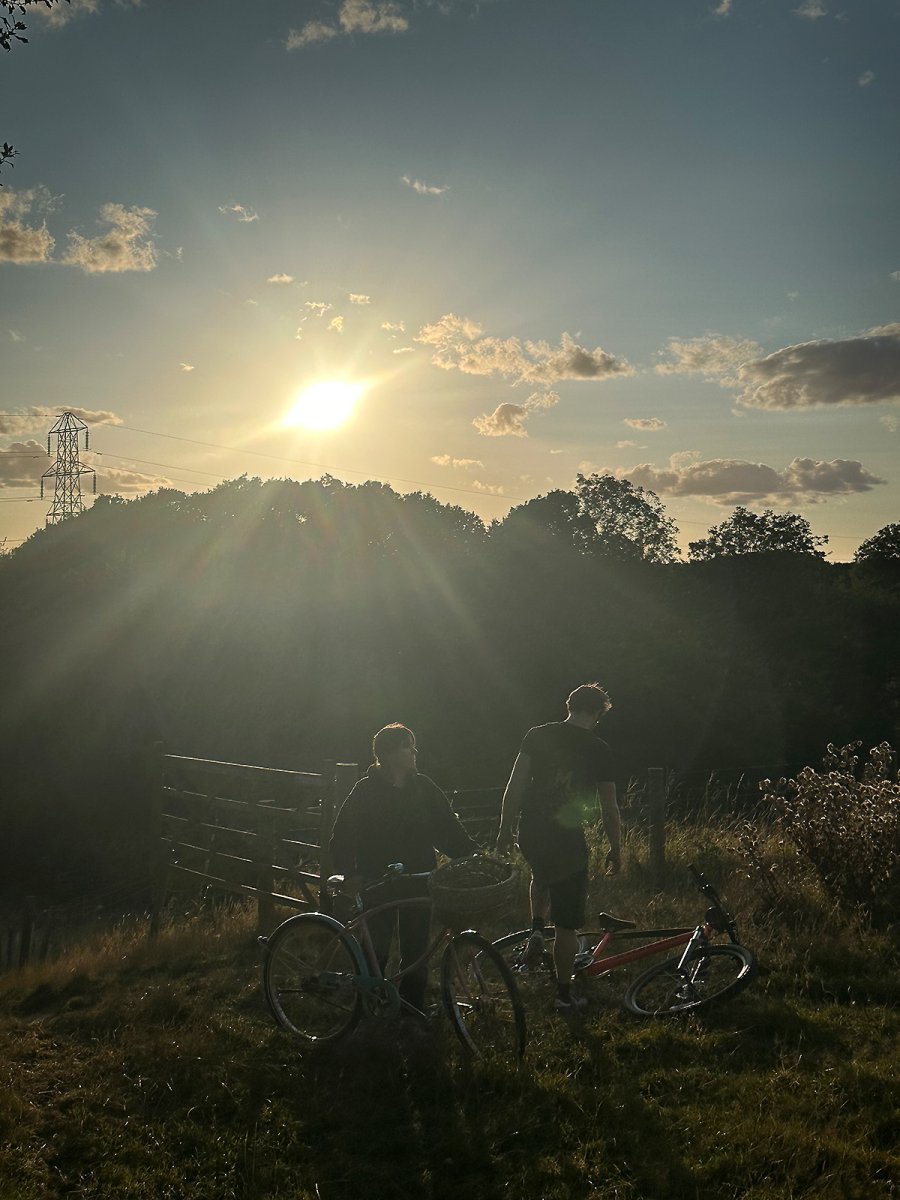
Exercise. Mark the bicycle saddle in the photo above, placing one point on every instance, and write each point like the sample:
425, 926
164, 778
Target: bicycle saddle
607, 923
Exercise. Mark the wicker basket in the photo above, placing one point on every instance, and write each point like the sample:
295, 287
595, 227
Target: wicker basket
470, 888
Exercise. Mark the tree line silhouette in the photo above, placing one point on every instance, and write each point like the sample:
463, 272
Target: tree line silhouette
281, 623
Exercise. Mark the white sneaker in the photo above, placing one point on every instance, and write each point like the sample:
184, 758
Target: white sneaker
567, 1008
533, 958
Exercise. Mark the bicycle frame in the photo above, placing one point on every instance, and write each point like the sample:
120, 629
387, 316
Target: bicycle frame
359, 928
601, 963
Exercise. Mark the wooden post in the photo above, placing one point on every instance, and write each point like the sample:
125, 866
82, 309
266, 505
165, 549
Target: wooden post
656, 811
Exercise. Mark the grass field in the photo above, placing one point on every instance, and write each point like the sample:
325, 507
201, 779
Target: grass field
132, 1069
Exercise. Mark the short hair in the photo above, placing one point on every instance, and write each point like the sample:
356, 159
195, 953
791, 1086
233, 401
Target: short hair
390, 738
588, 698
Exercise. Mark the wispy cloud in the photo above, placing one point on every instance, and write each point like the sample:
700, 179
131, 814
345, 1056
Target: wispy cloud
895, 275
282, 279
423, 189
723, 9
811, 10
647, 424
243, 214
508, 420
126, 246
21, 243
735, 481
317, 307
59, 15
460, 464
186, 366
867, 78
16, 422
357, 298
395, 327
459, 343
714, 356
858, 370
353, 16
16, 336
336, 324
489, 489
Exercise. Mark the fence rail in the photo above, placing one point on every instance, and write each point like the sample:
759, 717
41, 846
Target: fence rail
243, 829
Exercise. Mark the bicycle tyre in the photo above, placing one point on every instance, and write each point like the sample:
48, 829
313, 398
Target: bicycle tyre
481, 998
309, 977
717, 973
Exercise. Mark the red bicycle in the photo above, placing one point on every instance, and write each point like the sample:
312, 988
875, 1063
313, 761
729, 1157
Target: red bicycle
704, 973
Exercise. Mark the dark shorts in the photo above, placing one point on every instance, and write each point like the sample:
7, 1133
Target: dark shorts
553, 852
568, 900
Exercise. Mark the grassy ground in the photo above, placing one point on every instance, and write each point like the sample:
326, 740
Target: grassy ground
138, 1070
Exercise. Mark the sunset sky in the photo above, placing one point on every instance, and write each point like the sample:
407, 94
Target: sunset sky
658, 238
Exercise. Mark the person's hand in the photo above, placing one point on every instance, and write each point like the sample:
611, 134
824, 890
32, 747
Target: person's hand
613, 862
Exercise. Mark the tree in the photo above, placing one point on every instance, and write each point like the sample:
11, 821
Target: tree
629, 522
746, 532
883, 546
554, 519
13, 30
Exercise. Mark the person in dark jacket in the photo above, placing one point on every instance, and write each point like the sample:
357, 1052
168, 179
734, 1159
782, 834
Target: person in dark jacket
394, 814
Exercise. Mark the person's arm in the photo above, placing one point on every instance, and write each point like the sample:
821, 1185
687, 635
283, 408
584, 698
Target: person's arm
342, 846
512, 802
609, 810
448, 833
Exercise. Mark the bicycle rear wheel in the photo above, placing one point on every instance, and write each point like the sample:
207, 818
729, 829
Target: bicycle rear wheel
310, 975
479, 993
512, 946
716, 973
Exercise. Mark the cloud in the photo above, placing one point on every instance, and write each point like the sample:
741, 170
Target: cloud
714, 356
354, 16
404, 350
890, 422
489, 489
867, 78
508, 420
457, 343
21, 243
858, 370
127, 246
280, 279
356, 298
505, 420
461, 464
59, 15
23, 463
626, 445
118, 480
318, 307
24, 420
723, 9
186, 366
735, 481
895, 275
245, 215
16, 336
647, 424
399, 327
423, 189
337, 324
811, 10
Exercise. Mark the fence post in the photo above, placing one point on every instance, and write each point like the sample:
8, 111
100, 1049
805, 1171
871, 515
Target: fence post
160, 854
265, 846
656, 809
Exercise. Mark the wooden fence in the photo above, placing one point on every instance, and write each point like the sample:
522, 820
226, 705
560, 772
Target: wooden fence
242, 829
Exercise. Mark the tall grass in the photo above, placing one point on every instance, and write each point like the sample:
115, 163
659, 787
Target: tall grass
139, 1069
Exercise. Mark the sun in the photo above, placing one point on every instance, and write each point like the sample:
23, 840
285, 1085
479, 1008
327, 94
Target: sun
325, 405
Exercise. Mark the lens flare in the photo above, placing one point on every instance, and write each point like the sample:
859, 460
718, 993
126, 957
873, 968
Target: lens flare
325, 405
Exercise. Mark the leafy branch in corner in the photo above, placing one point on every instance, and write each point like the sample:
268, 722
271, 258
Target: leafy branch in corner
12, 29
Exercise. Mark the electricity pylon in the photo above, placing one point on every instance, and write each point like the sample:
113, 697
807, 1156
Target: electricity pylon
67, 471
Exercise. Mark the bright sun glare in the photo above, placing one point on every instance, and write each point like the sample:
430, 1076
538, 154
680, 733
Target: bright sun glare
324, 405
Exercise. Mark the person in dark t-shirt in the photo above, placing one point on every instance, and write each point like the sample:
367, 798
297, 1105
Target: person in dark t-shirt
394, 814
561, 771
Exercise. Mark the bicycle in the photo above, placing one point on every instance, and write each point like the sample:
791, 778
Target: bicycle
320, 977
705, 973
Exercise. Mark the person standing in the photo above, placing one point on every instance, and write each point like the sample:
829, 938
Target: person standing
560, 772
394, 814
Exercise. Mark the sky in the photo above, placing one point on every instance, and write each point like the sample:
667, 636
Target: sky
516, 239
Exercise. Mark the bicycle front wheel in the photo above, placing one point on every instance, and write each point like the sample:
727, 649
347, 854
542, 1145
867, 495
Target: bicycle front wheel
310, 975
479, 993
716, 973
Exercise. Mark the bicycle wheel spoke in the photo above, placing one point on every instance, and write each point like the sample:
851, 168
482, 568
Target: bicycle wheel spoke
716, 973
480, 996
310, 978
